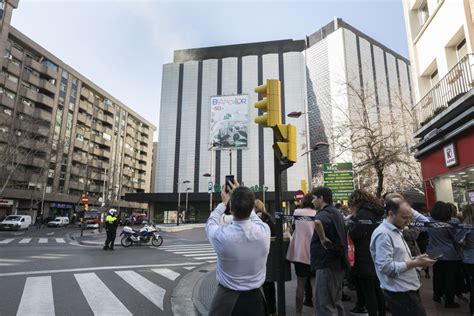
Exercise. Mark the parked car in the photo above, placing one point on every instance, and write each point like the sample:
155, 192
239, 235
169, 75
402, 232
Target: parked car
59, 221
16, 222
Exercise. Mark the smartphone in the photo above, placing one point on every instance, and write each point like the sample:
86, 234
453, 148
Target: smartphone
434, 253
231, 179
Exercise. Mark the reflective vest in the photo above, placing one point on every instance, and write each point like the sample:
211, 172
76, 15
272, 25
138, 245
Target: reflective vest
110, 219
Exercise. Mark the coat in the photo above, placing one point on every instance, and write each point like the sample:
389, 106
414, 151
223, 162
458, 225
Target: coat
361, 234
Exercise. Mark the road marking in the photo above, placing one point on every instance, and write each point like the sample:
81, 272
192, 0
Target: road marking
43, 240
167, 273
101, 300
97, 268
205, 258
212, 261
5, 264
193, 251
200, 254
49, 234
6, 241
25, 241
57, 255
177, 247
44, 257
13, 260
60, 240
189, 268
151, 291
18, 233
37, 297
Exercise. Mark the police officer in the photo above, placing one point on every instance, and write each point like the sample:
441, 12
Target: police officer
111, 223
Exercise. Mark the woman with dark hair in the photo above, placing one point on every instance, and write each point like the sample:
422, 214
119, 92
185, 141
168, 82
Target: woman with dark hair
299, 248
448, 266
468, 250
366, 207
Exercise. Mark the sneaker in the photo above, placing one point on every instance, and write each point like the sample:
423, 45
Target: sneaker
359, 310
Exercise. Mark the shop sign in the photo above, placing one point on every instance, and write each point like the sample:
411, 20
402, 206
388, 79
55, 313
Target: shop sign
450, 157
6, 202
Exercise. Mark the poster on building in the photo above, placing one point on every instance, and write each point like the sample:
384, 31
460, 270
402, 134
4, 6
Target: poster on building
230, 121
340, 179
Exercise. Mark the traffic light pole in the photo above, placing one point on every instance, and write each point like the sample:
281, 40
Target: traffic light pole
279, 242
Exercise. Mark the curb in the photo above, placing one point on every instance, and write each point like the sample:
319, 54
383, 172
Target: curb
184, 299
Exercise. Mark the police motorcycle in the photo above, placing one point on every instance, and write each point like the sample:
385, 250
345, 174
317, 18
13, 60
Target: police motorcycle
144, 235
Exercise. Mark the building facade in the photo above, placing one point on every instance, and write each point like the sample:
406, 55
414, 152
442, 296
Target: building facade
440, 40
313, 72
62, 136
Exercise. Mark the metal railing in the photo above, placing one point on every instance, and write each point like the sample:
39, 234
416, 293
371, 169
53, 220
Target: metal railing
452, 86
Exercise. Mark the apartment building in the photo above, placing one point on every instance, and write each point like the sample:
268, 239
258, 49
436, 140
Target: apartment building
441, 39
62, 136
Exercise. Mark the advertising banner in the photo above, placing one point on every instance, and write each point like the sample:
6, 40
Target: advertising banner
340, 179
230, 121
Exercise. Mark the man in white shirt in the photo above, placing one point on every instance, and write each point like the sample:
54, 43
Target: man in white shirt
242, 250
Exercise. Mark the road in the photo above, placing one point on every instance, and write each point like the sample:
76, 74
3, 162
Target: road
44, 272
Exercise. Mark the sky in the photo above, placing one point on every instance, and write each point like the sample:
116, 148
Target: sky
122, 45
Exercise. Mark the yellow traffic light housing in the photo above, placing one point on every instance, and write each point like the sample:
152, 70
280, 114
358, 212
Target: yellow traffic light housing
285, 143
271, 103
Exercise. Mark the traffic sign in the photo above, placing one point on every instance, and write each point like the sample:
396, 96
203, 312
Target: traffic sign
299, 195
340, 179
85, 199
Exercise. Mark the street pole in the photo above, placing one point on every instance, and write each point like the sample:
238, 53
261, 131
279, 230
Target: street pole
186, 211
212, 177
179, 202
263, 190
306, 119
279, 271
230, 161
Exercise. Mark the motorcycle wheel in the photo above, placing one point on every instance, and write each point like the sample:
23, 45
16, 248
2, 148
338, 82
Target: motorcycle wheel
126, 241
157, 241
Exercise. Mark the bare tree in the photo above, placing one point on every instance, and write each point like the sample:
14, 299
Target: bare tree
20, 142
377, 136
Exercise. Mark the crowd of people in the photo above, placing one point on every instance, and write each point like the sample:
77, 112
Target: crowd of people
368, 244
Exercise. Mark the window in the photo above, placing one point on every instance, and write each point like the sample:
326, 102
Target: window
7, 54
106, 136
50, 65
12, 78
461, 50
63, 87
434, 78
423, 12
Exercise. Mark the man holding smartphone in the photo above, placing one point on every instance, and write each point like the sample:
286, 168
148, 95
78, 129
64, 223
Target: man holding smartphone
242, 250
394, 264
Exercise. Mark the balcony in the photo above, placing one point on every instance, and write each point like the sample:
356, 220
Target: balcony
88, 95
79, 158
76, 185
36, 113
81, 172
6, 101
8, 84
13, 68
42, 68
82, 118
86, 106
16, 53
109, 119
33, 161
441, 97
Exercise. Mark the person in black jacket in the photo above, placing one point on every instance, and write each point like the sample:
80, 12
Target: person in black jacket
366, 207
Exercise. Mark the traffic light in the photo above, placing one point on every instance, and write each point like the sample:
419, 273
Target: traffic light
285, 143
271, 103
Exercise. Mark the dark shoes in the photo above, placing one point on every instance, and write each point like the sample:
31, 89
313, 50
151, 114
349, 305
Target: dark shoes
437, 299
345, 297
359, 310
105, 248
111, 249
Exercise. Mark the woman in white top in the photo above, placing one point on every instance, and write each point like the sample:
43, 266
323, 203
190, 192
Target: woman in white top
299, 248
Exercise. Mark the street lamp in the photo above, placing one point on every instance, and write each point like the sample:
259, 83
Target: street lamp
318, 146
209, 175
179, 199
297, 114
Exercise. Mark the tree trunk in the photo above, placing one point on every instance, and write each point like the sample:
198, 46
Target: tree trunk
379, 183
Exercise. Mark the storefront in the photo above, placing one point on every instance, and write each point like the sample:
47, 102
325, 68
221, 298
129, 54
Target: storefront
61, 209
448, 171
6, 207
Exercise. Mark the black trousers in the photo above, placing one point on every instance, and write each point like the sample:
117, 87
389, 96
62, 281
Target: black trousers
444, 279
235, 303
470, 275
405, 303
109, 242
270, 297
373, 295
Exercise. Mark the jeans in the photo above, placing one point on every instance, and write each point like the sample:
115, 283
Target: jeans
328, 292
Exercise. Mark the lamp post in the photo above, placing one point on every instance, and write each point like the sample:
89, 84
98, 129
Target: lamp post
187, 191
297, 114
210, 174
179, 199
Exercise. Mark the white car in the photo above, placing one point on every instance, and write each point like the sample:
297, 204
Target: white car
16, 222
59, 221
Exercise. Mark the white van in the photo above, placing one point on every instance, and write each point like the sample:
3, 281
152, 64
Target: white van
59, 221
16, 222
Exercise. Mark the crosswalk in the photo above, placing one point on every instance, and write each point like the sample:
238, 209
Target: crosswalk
48, 256
97, 292
24, 241
201, 252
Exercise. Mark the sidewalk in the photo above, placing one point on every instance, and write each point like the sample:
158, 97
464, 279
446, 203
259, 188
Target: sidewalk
206, 285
